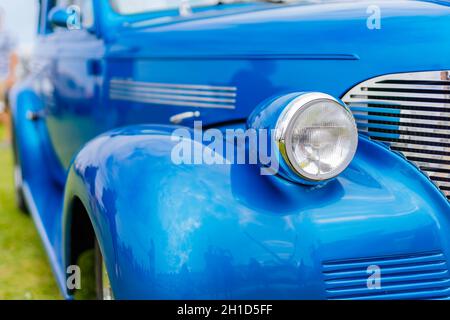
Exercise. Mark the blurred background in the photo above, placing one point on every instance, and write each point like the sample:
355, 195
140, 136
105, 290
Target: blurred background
24, 270
21, 20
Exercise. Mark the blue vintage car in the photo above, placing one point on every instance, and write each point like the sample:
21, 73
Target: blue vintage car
354, 97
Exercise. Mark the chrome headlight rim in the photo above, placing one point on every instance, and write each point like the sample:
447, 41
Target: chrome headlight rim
283, 134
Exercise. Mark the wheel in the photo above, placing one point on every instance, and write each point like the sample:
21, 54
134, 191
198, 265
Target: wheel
18, 178
95, 283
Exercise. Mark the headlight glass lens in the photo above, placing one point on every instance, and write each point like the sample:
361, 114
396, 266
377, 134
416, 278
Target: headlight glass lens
321, 139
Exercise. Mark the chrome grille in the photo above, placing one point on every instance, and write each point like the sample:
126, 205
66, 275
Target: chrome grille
410, 112
413, 276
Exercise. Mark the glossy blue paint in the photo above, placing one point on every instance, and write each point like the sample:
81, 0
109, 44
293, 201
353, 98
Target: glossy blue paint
221, 231
255, 236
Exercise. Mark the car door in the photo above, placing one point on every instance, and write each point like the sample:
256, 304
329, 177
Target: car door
74, 117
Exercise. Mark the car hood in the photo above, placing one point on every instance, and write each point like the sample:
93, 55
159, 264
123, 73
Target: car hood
267, 50
328, 28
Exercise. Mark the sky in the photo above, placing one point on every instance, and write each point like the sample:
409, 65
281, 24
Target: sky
21, 20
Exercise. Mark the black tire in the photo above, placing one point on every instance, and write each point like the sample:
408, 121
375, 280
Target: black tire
18, 180
93, 276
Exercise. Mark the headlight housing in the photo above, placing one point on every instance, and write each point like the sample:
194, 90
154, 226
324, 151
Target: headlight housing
315, 135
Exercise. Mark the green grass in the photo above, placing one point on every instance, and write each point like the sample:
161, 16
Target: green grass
24, 269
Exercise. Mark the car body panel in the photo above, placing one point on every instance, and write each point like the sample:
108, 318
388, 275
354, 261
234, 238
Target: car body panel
257, 69
240, 246
89, 82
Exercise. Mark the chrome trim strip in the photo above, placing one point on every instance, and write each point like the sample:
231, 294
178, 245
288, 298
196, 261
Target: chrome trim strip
169, 97
408, 137
172, 85
405, 86
178, 118
440, 157
412, 76
436, 175
428, 165
404, 127
363, 116
172, 102
431, 105
422, 147
174, 91
443, 184
411, 95
187, 95
382, 109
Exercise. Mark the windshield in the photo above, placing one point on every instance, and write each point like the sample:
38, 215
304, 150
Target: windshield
127, 7
141, 6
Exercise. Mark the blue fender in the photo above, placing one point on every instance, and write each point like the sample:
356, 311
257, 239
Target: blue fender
171, 231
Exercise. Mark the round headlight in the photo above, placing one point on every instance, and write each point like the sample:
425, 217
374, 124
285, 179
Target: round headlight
317, 136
